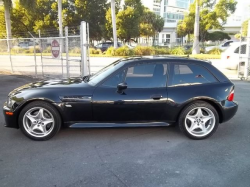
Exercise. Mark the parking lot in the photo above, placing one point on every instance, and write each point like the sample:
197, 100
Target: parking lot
150, 157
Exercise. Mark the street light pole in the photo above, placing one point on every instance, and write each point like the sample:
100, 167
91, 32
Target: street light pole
114, 22
196, 46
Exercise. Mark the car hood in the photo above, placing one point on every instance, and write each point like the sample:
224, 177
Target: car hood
54, 84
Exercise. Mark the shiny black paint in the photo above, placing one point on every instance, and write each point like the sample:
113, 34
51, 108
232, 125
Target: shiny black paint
101, 104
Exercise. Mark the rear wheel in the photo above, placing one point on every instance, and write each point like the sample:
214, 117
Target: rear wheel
39, 121
199, 120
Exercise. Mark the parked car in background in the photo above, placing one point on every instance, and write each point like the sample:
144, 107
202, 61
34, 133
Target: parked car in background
235, 54
222, 46
131, 92
27, 45
105, 45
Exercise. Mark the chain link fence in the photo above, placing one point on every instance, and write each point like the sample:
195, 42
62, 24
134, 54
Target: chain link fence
37, 57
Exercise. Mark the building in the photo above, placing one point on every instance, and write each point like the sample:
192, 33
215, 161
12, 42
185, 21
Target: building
235, 21
172, 11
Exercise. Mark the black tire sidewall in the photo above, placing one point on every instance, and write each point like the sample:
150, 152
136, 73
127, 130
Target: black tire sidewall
186, 110
51, 109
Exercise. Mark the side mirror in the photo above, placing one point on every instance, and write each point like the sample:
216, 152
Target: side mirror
121, 87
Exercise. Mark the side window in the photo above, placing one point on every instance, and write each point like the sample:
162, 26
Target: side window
243, 49
115, 79
191, 74
147, 76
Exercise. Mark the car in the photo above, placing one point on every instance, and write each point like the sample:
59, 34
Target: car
105, 45
26, 45
234, 55
131, 92
222, 46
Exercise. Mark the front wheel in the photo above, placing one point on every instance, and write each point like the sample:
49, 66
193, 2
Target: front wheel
39, 121
199, 120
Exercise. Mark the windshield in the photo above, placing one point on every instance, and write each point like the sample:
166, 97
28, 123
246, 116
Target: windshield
103, 73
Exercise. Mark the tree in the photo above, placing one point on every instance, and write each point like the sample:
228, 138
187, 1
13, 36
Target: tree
245, 28
150, 23
128, 24
217, 36
212, 16
7, 9
93, 12
2, 23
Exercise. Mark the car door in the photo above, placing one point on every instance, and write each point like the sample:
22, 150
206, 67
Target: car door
144, 99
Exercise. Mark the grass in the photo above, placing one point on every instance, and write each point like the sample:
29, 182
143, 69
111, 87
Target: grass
198, 56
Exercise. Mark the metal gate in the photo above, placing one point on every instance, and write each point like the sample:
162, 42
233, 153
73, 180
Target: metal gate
34, 56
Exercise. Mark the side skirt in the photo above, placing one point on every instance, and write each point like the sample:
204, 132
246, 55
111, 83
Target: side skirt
105, 125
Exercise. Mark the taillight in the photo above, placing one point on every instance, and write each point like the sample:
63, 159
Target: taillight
228, 57
231, 96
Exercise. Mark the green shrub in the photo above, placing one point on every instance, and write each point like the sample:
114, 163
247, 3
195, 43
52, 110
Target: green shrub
215, 51
17, 50
124, 51
177, 51
144, 50
94, 51
110, 51
47, 50
98, 51
37, 49
26, 51
161, 51
75, 50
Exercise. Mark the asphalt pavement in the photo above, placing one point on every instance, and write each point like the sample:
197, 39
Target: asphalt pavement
143, 157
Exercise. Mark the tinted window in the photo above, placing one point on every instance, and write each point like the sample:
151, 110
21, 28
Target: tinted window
191, 74
243, 49
114, 80
147, 76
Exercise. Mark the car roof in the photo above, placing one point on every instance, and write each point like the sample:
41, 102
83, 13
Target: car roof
162, 57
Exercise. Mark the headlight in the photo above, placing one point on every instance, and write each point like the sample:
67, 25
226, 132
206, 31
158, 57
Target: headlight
10, 102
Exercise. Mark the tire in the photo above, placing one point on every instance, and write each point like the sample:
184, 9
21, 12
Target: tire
198, 120
39, 121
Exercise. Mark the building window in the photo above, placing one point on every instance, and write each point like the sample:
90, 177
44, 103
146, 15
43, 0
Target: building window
166, 39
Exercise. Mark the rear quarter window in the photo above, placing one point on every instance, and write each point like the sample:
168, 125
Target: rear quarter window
190, 74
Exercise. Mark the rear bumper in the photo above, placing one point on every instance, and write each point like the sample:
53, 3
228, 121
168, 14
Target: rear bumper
10, 120
229, 110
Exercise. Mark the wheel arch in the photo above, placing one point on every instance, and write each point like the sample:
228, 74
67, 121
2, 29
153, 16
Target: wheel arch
20, 108
211, 102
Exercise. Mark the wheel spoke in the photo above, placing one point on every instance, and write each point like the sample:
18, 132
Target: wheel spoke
30, 117
199, 113
206, 118
31, 127
193, 127
40, 114
47, 121
191, 118
203, 128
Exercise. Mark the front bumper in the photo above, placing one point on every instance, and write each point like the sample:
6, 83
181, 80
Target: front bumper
10, 120
229, 110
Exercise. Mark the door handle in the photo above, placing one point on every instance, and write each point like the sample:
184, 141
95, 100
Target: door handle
156, 96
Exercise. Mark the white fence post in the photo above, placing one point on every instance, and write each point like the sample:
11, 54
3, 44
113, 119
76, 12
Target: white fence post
67, 50
9, 50
41, 50
246, 71
83, 36
34, 43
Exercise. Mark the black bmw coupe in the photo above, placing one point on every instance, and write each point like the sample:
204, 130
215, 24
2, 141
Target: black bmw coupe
132, 92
